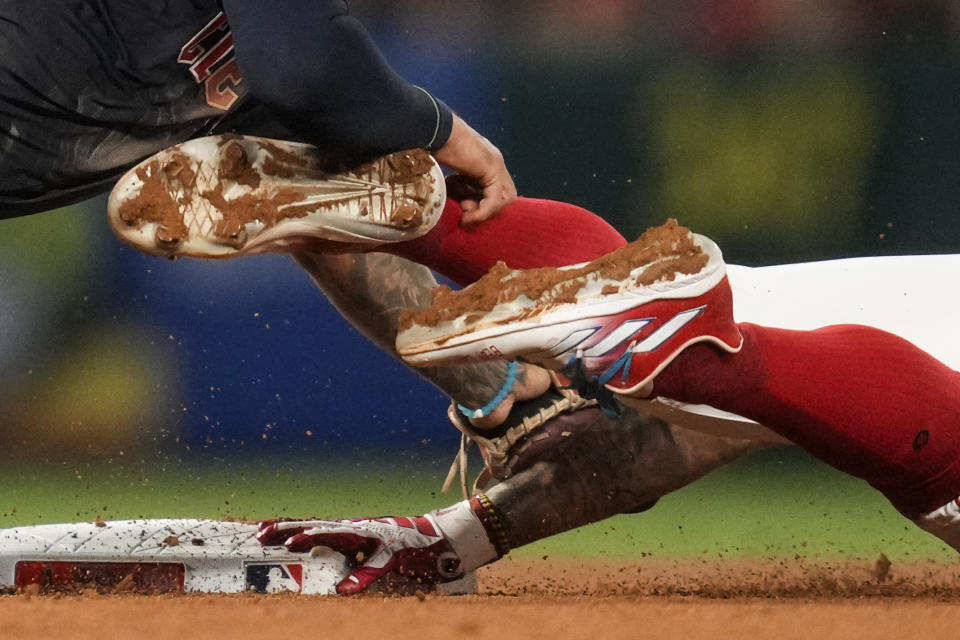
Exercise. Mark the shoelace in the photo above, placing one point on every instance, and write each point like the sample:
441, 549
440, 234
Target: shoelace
592, 386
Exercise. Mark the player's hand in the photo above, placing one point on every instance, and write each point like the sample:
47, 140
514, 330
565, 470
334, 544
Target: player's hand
413, 547
472, 155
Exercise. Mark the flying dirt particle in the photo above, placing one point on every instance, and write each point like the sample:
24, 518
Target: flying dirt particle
171, 541
881, 569
126, 585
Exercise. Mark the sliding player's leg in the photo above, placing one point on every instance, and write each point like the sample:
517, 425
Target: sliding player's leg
865, 400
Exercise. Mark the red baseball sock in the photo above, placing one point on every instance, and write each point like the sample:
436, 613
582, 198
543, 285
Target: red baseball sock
528, 233
867, 402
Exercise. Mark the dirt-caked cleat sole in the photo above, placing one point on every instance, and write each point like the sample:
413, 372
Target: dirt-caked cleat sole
228, 195
619, 319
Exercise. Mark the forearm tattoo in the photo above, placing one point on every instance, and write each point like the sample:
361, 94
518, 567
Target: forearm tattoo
369, 290
604, 466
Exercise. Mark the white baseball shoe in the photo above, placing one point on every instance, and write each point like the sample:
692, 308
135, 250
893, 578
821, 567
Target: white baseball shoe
228, 195
614, 322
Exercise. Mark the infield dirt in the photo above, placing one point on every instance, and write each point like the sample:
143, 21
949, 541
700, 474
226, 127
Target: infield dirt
557, 600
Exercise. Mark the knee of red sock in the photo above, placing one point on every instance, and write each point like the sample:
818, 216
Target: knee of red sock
864, 400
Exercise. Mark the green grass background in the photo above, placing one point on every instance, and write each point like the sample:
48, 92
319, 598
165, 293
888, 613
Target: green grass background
775, 503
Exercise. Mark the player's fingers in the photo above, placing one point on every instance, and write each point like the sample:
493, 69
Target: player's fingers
461, 188
496, 197
269, 537
482, 212
266, 524
361, 578
275, 533
299, 542
347, 543
373, 567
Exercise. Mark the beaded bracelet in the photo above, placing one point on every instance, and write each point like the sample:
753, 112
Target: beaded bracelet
490, 519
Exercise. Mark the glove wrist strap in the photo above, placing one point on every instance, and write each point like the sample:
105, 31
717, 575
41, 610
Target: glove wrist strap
467, 534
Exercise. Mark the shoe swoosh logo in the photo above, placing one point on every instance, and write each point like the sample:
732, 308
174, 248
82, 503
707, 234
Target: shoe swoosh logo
617, 336
666, 331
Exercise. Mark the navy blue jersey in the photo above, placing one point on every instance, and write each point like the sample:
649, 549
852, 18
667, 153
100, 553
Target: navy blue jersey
90, 87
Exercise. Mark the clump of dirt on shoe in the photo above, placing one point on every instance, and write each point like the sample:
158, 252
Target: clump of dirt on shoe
667, 250
155, 202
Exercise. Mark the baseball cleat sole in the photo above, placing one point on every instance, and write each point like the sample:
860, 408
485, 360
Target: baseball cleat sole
228, 195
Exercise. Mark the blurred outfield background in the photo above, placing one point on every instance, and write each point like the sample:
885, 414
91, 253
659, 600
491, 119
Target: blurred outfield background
787, 131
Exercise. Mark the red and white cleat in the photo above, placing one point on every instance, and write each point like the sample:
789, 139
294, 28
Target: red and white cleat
615, 322
228, 195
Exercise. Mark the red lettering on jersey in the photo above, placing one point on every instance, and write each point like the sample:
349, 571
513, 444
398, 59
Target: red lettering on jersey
193, 50
210, 55
220, 85
223, 49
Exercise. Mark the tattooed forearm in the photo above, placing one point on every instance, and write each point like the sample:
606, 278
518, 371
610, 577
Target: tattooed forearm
603, 467
371, 289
